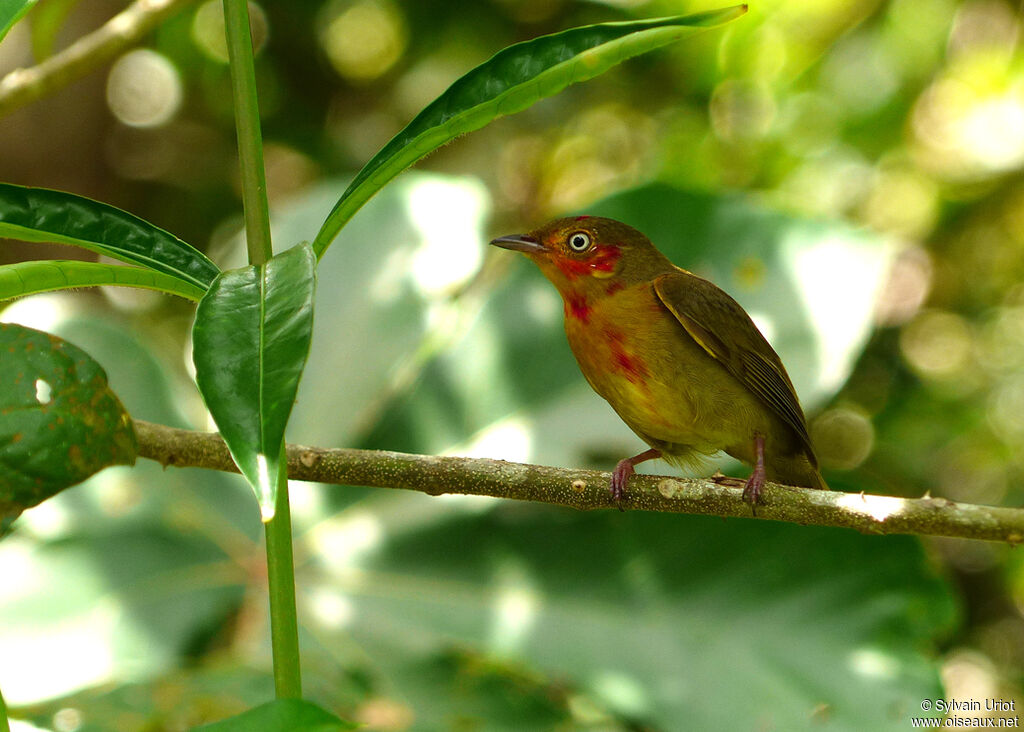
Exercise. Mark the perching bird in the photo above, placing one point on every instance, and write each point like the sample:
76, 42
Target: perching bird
677, 358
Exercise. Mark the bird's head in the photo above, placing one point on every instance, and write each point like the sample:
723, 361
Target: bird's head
589, 253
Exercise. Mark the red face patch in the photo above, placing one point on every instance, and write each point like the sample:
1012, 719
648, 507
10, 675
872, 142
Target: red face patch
602, 259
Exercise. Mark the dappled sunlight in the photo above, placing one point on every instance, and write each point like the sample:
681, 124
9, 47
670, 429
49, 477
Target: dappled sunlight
42, 312
84, 645
346, 539
764, 323
838, 279
622, 691
509, 439
515, 609
331, 608
449, 218
874, 663
877, 507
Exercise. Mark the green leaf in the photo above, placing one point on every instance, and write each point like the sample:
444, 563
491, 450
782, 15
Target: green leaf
59, 421
4, 724
250, 342
119, 543
281, 715
201, 693
39, 214
654, 618
11, 11
46, 23
46, 275
512, 80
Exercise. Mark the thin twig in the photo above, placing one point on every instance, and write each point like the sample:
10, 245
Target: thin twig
588, 489
22, 86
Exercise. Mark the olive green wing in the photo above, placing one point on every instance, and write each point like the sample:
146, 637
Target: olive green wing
723, 329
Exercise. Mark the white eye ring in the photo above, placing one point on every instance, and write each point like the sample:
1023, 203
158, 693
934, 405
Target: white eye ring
579, 241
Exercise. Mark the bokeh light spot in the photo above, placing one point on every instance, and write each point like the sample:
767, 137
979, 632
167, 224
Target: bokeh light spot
842, 437
208, 29
144, 89
937, 344
364, 39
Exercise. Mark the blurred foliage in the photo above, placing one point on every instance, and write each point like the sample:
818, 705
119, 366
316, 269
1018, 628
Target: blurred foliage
904, 120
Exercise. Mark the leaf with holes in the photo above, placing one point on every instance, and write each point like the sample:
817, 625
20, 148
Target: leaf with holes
250, 342
59, 420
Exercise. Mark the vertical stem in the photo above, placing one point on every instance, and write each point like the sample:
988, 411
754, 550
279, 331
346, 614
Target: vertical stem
4, 724
284, 632
247, 124
284, 628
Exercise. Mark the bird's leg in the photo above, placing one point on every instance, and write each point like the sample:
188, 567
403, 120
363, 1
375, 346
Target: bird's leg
754, 484
624, 471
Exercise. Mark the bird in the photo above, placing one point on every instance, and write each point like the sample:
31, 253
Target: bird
676, 357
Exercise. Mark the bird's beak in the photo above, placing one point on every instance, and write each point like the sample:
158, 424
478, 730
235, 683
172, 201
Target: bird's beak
519, 243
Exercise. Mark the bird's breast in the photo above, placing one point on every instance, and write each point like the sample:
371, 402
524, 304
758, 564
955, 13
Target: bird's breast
622, 342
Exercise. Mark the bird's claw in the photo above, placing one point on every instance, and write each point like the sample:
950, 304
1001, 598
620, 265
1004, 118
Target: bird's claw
756, 481
620, 479
752, 489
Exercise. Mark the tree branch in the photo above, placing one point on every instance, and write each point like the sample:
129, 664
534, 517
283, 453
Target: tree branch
23, 86
588, 489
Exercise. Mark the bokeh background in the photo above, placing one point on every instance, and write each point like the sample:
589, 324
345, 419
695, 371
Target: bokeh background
849, 170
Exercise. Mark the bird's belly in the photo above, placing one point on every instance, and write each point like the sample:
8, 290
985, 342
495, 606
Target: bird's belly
646, 374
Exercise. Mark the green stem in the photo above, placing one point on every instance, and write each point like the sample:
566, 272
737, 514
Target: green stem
247, 123
280, 570
4, 724
284, 628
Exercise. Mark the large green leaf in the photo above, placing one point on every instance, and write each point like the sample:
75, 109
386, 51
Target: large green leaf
216, 688
45, 275
250, 342
11, 11
135, 569
59, 421
656, 618
512, 80
281, 715
39, 214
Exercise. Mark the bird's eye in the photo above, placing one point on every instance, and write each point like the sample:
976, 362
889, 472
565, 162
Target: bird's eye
579, 242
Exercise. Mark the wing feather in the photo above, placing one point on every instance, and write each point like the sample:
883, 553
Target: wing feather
723, 329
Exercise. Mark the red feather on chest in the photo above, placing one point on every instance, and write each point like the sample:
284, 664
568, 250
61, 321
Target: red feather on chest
598, 341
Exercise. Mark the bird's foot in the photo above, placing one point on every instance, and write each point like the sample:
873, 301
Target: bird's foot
752, 488
620, 479
754, 484
624, 471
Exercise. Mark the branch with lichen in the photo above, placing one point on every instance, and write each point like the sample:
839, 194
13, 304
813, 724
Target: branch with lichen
588, 489
22, 86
